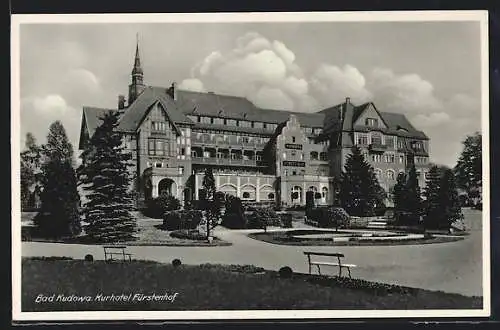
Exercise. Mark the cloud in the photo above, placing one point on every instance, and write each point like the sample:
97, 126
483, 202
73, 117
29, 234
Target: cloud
192, 84
262, 70
332, 84
37, 113
433, 119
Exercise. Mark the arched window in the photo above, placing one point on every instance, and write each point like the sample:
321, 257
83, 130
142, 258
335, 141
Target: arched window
246, 194
297, 193
313, 188
324, 192
270, 196
390, 174
314, 155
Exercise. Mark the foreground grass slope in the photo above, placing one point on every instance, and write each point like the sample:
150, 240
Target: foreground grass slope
211, 287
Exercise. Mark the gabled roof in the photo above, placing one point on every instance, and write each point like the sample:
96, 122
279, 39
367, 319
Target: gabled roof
239, 108
134, 114
345, 115
92, 115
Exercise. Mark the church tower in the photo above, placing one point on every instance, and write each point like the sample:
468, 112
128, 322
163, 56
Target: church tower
137, 85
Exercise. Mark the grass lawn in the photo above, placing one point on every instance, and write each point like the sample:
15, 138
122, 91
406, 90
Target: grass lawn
289, 238
211, 287
149, 233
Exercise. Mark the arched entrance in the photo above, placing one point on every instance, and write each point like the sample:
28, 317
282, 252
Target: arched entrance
166, 186
296, 195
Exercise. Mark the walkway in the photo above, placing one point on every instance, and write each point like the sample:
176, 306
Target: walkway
450, 267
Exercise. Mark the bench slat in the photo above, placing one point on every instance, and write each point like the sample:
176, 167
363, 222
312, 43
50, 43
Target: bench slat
324, 254
332, 264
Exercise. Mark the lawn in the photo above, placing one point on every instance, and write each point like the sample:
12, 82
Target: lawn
210, 287
149, 233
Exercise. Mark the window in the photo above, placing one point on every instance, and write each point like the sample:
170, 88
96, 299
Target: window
293, 153
257, 124
362, 139
373, 122
183, 151
314, 155
157, 147
231, 122
159, 165
181, 170
246, 194
308, 130
376, 138
206, 120
390, 174
323, 156
401, 159
270, 196
389, 158
376, 158
294, 172
284, 155
324, 192
389, 141
158, 126
244, 139
317, 131
401, 143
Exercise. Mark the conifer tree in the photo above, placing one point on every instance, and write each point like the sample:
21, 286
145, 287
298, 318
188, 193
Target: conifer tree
359, 188
399, 192
105, 176
468, 170
59, 213
30, 171
449, 201
432, 194
413, 200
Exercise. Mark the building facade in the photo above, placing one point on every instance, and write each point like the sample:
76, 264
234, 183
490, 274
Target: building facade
256, 154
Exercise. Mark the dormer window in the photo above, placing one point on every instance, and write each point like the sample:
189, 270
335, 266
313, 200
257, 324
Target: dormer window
372, 122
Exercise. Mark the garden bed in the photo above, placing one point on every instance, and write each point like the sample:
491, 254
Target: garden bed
214, 287
299, 237
150, 233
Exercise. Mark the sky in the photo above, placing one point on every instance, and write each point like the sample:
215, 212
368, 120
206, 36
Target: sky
429, 71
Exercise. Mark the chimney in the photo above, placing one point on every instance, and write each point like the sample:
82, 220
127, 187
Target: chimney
121, 102
172, 91
347, 100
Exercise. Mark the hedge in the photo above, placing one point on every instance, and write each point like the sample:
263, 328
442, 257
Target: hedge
329, 216
185, 219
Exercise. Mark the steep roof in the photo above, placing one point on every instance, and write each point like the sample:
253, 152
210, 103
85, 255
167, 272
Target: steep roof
134, 114
92, 115
240, 108
345, 114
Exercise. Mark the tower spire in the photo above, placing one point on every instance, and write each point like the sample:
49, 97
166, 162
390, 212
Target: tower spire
137, 85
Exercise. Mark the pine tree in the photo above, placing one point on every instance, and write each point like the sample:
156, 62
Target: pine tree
468, 170
399, 192
212, 201
59, 214
30, 171
359, 188
413, 200
208, 184
449, 201
105, 176
432, 193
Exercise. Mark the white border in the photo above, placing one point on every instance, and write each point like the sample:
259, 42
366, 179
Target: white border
394, 16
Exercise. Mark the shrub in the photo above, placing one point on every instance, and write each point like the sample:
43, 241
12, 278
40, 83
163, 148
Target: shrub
286, 220
89, 258
329, 216
234, 217
194, 235
186, 219
263, 217
285, 272
156, 207
53, 258
176, 263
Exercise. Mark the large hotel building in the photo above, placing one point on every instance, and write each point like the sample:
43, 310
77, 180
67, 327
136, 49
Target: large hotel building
256, 154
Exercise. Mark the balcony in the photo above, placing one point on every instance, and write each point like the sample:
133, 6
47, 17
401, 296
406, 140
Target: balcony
226, 143
377, 147
162, 171
226, 161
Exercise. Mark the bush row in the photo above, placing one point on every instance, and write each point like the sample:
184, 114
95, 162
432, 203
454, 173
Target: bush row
182, 219
329, 216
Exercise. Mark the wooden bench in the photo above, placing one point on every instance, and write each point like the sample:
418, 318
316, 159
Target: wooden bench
318, 262
310, 222
112, 251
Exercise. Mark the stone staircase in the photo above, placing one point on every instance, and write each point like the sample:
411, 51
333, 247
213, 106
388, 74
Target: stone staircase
377, 224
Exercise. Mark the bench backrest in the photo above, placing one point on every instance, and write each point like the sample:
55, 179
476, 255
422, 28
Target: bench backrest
114, 247
338, 255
